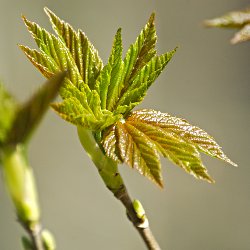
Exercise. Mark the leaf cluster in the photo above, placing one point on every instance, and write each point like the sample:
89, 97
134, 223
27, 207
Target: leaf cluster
237, 20
94, 96
101, 98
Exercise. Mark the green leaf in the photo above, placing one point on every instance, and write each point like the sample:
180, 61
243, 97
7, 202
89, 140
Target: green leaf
72, 111
73, 51
143, 80
57, 53
30, 113
83, 52
141, 52
138, 151
104, 93
141, 68
235, 19
109, 81
8, 107
41, 61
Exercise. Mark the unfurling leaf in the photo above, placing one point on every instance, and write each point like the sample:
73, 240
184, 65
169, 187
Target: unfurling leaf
146, 133
235, 19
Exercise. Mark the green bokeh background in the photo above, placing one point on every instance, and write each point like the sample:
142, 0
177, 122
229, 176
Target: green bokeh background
207, 83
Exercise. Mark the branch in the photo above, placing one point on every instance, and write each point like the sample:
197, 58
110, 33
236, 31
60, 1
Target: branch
108, 171
142, 227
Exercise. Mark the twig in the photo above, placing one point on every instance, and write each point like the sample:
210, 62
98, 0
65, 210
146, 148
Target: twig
108, 171
35, 235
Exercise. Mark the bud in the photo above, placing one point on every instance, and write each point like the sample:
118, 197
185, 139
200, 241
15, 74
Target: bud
48, 240
19, 181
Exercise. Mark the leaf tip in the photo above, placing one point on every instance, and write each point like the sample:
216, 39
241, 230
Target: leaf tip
160, 184
48, 12
152, 18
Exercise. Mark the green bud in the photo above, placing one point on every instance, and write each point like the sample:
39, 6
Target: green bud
139, 209
140, 212
20, 184
48, 240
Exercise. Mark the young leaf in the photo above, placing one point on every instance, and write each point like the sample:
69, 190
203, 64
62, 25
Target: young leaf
174, 148
83, 52
141, 68
151, 132
180, 127
57, 54
141, 52
110, 77
41, 61
138, 151
143, 80
72, 51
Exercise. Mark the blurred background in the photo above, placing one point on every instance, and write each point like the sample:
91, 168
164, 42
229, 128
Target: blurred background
207, 82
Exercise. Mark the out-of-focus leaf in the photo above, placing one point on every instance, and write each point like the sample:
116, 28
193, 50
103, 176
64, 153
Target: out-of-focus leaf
29, 114
235, 19
173, 137
242, 35
8, 107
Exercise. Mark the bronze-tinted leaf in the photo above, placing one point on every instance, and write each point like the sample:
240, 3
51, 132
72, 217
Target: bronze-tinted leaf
180, 127
173, 147
138, 151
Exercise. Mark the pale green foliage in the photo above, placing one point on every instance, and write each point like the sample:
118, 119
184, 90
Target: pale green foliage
100, 98
235, 19
94, 96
